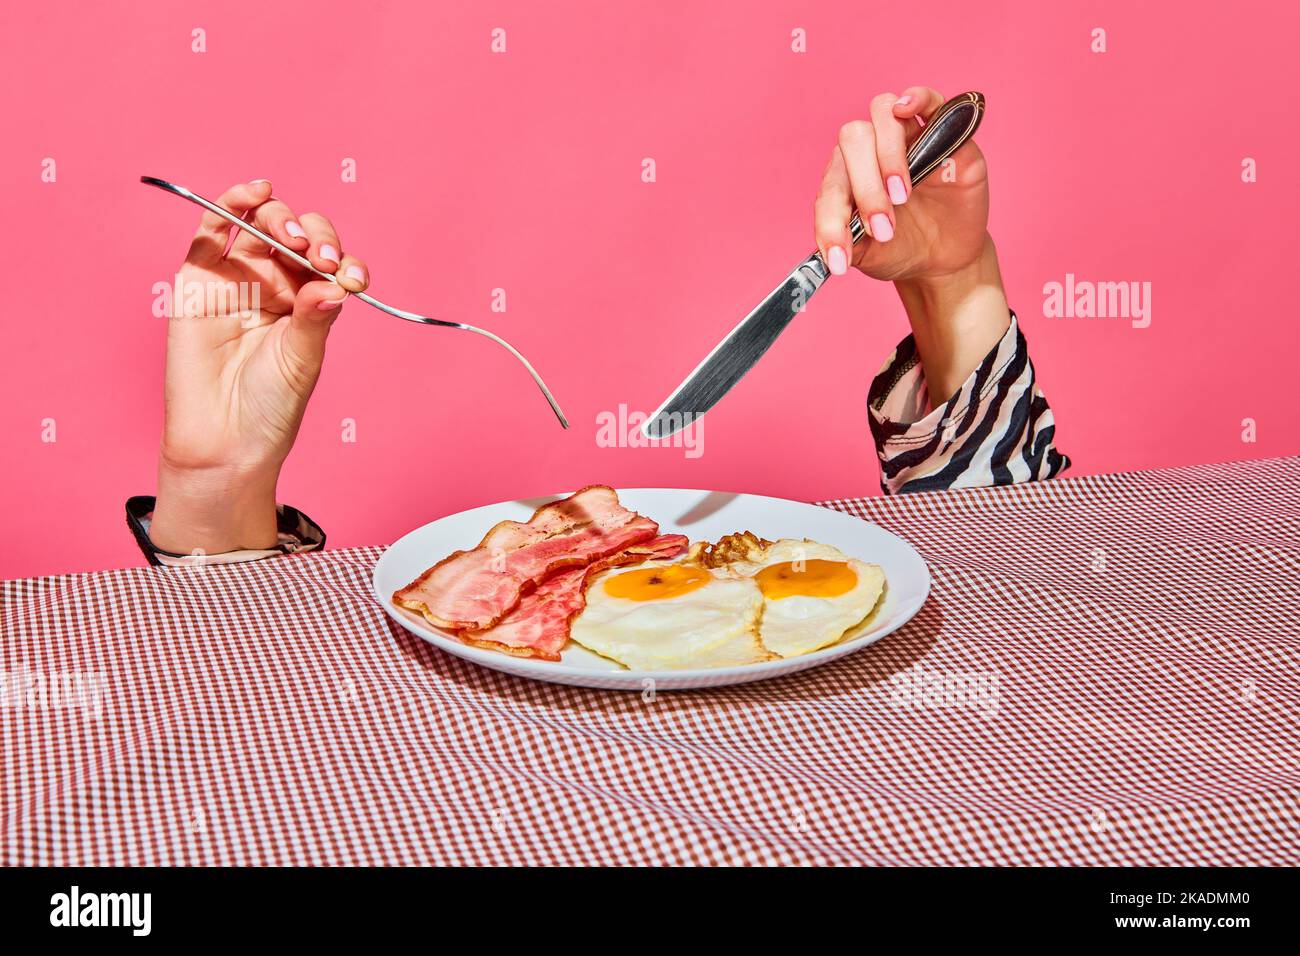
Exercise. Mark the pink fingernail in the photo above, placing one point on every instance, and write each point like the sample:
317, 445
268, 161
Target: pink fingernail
882, 230
897, 191
295, 230
329, 304
258, 182
903, 101
356, 272
329, 252
837, 261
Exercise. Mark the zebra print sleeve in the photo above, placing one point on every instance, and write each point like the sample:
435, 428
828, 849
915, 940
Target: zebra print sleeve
295, 533
997, 429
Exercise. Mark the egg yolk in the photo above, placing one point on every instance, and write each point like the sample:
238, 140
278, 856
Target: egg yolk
657, 584
812, 578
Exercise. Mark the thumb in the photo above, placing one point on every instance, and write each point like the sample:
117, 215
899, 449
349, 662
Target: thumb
315, 308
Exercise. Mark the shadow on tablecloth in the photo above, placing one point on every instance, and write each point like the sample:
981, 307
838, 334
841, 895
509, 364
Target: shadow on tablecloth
864, 673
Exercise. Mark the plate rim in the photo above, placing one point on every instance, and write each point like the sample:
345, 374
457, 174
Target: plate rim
521, 666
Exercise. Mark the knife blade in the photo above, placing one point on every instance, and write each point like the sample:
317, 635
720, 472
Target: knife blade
952, 125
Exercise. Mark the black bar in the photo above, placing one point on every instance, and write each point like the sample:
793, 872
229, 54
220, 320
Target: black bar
439, 906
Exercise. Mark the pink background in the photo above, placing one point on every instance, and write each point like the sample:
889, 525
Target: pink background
522, 171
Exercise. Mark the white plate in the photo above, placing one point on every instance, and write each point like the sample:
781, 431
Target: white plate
700, 515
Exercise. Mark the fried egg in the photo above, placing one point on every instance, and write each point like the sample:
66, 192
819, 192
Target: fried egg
671, 615
812, 593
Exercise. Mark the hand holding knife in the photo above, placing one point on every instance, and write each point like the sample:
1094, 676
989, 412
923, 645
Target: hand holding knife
947, 130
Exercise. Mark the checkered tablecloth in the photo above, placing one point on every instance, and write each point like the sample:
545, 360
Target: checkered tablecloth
1106, 672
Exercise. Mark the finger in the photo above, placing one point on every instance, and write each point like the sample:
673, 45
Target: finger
353, 274
276, 218
315, 308
858, 144
832, 211
891, 148
213, 234
325, 251
918, 101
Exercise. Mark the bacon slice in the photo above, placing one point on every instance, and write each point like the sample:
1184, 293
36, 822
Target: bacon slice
476, 589
539, 624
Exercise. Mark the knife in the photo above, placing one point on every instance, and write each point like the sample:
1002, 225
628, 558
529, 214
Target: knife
952, 125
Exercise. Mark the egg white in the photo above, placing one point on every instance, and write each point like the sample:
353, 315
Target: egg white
715, 625
800, 624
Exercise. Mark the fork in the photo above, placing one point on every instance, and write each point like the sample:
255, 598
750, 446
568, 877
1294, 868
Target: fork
230, 217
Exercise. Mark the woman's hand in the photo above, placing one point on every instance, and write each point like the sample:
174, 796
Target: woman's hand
933, 242
245, 344
931, 232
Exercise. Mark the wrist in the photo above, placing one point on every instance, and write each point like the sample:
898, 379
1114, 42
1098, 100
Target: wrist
943, 298
957, 318
214, 509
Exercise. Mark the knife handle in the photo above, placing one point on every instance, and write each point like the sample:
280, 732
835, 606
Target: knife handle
950, 127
